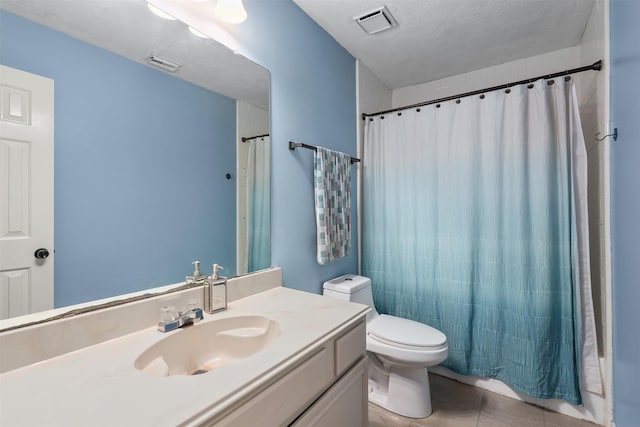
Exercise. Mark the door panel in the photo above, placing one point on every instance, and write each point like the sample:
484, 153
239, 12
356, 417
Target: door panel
26, 192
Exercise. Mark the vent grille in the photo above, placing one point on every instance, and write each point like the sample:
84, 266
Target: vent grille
376, 20
162, 63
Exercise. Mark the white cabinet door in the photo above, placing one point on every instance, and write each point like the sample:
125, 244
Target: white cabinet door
345, 404
26, 192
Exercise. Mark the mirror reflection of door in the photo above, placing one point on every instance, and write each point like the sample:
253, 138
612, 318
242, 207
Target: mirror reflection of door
26, 193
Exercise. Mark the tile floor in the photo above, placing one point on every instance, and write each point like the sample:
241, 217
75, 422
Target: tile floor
460, 405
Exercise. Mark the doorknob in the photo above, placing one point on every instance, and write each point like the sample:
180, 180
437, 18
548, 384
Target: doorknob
41, 253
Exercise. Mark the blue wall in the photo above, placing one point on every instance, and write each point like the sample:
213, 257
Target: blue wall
625, 209
313, 100
162, 182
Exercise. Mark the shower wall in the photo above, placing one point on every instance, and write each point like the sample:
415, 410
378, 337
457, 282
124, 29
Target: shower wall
372, 95
511, 71
593, 95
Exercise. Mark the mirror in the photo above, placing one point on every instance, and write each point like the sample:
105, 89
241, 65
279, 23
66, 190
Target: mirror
150, 170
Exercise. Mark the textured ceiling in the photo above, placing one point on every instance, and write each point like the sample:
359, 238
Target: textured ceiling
128, 28
440, 38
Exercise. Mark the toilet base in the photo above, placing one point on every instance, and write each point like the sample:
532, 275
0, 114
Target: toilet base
399, 389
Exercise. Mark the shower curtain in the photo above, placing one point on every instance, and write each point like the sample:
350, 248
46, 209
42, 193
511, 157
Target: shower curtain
258, 205
474, 222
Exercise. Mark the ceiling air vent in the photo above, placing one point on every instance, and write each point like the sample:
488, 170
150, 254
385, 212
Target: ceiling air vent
376, 20
165, 64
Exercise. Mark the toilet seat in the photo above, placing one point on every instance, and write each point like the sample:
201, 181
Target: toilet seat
405, 333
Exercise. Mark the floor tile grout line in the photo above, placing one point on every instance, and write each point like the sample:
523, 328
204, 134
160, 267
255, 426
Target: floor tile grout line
482, 391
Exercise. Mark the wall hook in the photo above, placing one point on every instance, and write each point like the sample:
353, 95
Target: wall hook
614, 135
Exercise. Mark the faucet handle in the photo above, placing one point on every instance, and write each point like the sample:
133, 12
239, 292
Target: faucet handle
168, 313
195, 312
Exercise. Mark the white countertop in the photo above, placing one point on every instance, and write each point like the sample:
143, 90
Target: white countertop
99, 385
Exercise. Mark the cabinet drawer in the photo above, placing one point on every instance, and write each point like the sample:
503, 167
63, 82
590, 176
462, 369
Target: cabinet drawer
343, 405
281, 402
350, 346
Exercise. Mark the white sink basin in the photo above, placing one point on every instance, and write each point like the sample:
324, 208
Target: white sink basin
209, 345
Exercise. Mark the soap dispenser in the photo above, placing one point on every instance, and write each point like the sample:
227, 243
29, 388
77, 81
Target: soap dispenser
197, 278
215, 291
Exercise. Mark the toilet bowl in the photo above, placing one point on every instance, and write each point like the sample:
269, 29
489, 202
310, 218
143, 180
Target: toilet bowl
399, 350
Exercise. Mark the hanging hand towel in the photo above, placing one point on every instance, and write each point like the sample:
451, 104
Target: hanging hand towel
332, 186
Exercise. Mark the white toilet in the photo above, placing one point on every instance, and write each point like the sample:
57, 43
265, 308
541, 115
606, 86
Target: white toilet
399, 351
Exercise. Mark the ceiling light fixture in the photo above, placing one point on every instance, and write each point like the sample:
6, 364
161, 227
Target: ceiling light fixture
231, 11
159, 12
199, 17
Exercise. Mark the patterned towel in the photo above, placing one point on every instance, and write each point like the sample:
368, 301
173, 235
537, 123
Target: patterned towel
332, 186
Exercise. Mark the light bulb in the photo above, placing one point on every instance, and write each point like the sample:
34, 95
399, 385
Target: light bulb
198, 33
159, 12
231, 11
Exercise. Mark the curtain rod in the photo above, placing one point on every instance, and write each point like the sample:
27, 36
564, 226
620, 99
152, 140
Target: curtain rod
249, 138
294, 145
596, 66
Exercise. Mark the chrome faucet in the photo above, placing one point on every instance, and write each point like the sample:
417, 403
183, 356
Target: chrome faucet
171, 321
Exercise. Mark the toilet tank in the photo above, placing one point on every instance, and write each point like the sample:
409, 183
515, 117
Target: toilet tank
351, 287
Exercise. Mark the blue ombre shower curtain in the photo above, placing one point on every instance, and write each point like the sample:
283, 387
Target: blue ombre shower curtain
470, 225
258, 205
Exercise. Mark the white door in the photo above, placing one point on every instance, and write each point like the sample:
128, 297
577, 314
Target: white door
26, 193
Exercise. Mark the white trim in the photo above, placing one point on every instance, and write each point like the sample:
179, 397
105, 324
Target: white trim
608, 356
360, 141
237, 173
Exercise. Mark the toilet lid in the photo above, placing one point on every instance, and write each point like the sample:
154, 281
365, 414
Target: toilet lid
404, 332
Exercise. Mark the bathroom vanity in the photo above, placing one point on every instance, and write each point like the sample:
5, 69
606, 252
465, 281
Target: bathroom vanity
294, 358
